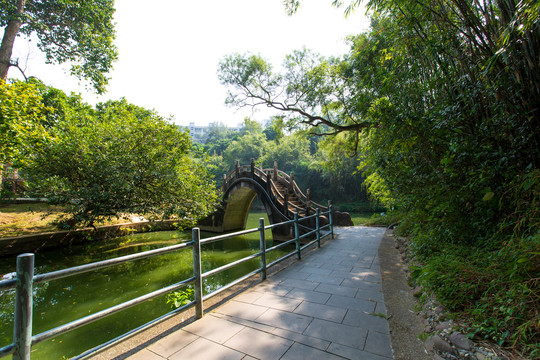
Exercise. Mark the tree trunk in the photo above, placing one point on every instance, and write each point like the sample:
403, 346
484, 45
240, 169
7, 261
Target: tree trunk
10, 33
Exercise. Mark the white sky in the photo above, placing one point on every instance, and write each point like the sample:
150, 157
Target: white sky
169, 51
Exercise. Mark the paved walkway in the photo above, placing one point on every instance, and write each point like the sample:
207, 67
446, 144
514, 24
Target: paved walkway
329, 305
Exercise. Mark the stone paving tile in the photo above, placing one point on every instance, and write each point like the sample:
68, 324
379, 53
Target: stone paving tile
276, 289
145, 354
214, 328
303, 352
259, 344
321, 311
308, 295
369, 294
379, 344
202, 349
373, 279
331, 255
291, 274
355, 263
301, 284
251, 324
351, 303
370, 275
325, 279
363, 265
285, 320
314, 261
278, 302
249, 296
172, 343
366, 321
336, 267
380, 308
360, 284
302, 339
347, 275
241, 310
314, 270
339, 333
337, 290
352, 353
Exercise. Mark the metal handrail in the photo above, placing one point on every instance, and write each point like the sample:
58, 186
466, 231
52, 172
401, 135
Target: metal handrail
25, 279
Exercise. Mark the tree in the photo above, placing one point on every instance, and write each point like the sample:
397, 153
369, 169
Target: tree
121, 159
338, 168
22, 115
251, 127
247, 147
449, 90
436, 95
79, 32
274, 131
310, 92
218, 138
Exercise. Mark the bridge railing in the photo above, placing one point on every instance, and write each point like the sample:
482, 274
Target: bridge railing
267, 178
24, 281
286, 178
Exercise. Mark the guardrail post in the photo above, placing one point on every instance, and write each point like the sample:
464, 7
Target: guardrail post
252, 168
237, 170
197, 272
22, 328
318, 227
330, 219
275, 170
263, 248
297, 237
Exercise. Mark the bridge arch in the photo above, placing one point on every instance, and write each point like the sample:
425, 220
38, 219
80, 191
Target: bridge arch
239, 197
278, 192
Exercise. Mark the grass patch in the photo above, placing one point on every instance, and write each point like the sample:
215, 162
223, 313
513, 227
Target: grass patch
27, 219
374, 219
361, 218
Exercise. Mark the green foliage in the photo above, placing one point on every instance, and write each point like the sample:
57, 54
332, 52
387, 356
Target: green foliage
22, 115
247, 147
79, 32
337, 165
218, 138
328, 171
440, 100
494, 292
120, 159
180, 298
275, 130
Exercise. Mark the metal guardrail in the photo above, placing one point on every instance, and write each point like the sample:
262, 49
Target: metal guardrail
23, 340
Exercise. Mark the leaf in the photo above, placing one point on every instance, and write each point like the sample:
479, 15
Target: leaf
488, 196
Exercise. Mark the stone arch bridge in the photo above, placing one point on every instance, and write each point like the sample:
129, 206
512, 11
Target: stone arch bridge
280, 195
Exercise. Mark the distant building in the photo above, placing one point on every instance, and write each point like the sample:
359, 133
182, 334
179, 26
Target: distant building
199, 133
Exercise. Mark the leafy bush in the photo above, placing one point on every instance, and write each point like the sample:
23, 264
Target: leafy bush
116, 159
180, 298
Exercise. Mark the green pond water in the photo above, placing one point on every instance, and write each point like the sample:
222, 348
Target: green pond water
64, 300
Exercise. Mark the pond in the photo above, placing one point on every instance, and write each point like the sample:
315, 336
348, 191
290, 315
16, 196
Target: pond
64, 300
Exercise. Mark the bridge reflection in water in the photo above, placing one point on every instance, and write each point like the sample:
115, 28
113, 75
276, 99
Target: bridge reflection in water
280, 195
